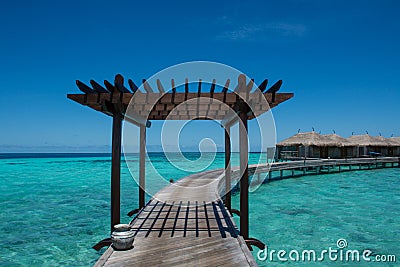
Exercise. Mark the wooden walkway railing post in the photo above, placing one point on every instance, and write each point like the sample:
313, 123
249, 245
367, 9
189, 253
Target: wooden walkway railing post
244, 181
228, 168
116, 168
142, 166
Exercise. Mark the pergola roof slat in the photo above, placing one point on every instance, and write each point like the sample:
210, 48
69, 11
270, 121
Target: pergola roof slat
147, 87
275, 87
84, 88
263, 86
226, 86
119, 84
109, 86
133, 86
199, 88
97, 87
160, 87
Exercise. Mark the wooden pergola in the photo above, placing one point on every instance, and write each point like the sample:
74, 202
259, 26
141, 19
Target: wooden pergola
141, 105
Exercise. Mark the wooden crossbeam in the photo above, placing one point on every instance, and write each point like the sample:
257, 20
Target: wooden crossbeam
98, 97
168, 102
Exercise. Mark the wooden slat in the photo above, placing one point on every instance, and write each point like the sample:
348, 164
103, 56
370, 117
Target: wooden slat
160, 87
84, 88
119, 84
147, 87
97, 87
109, 86
250, 85
263, 85
275, 87
199, 88
226, 87
133, 86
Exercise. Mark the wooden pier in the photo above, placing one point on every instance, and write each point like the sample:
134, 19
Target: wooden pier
288, 169
185, 224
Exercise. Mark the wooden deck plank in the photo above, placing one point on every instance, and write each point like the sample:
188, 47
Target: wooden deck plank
185, 224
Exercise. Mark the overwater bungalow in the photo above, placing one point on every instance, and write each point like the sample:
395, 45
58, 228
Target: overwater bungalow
314, 145
394, 149
305, 145
342, 148
370, 145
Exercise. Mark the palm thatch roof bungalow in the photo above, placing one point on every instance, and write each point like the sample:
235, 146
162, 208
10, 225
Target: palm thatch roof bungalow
394, 148
370, 145
342, 148
313, 145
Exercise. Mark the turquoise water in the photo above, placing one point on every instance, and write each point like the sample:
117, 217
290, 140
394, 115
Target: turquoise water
313, 212
54, 209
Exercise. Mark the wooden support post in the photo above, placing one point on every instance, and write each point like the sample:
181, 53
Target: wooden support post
340, 166
116, 169
269, 175
244, 181
292, 172
281, 173
228, 168
304, 171
142, 167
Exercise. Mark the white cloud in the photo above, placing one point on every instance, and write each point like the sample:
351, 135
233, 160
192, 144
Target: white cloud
262, 31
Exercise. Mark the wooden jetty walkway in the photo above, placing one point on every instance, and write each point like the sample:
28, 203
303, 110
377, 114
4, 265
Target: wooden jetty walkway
184, 224
281, 170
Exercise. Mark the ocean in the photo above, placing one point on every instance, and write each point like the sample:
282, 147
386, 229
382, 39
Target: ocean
55, 207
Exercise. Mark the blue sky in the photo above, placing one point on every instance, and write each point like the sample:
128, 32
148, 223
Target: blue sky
340, 58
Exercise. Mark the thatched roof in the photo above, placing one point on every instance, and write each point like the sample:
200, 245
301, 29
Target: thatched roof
308, 139
394, 141
338, 140
367, 140
315, 139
